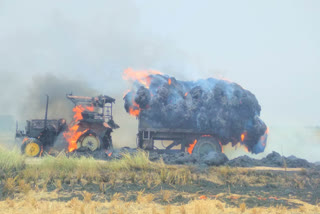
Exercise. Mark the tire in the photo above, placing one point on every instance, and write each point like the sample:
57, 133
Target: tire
205, 145
90, 141
32, 147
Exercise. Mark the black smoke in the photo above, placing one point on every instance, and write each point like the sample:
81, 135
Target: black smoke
218, 107
32, 105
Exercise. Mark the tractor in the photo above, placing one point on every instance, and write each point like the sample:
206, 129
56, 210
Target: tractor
95, 127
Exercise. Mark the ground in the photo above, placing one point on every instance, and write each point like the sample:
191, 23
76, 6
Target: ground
134, 184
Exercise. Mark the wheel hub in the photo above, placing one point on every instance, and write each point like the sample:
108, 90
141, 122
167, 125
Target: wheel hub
32, 149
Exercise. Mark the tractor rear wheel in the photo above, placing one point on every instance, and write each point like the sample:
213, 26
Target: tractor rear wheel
205, 145
32, 147
90, 141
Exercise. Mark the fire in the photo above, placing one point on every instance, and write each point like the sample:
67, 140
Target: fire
72, 135
78, 110
134, 112
108, 153
186, 94
125, 93
191, 146
263, 138
135, 109
221, 147
246, 149
142, 76
169, 81
243, 136
24, 140
203, 197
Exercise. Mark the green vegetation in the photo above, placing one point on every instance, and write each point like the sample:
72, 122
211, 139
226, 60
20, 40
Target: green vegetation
11, 161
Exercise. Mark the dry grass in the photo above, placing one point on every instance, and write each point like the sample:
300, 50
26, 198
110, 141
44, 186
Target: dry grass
34, 204
28, 184
11, 161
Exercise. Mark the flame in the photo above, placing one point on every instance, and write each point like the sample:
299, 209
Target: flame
221, 147
72, 135
186, 94
243, 136
135, 109
246, 149
191, 146
169, 81
134, 112
142, 76
125, 93
24, 140
203, 197
206, 135
108, 153
78, 111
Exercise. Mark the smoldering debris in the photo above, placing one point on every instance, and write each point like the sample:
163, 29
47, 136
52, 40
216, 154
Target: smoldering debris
273, 159
219, 107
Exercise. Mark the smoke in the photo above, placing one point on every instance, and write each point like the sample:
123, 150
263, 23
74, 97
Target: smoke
33, 105
93, 42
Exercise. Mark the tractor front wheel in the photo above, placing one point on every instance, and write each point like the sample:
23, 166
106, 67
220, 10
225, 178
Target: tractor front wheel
32, 147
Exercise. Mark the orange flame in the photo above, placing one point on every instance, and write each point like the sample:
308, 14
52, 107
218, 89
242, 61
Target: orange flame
24, 140
134, 112
246, 149
263, 138
203, 197
72, 135
221, 147
186, 94
243, 136
191, 146
169, 81
142, 76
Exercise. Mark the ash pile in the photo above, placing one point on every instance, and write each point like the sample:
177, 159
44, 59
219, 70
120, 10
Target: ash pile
219, 107
273, 159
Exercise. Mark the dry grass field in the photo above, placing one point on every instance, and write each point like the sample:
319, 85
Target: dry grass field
134, 184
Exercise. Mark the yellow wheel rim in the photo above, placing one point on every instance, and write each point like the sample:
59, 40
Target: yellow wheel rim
91, 142
32, 149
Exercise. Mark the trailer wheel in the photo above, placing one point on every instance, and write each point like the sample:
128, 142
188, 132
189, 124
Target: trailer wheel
90, 141
32, 147
205, 145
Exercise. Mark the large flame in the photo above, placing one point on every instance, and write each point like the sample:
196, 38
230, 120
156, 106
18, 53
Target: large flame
73, 134
143, 77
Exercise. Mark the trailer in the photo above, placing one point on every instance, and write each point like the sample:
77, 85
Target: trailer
165, 140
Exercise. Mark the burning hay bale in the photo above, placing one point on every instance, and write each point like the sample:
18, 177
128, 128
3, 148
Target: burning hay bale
219, 107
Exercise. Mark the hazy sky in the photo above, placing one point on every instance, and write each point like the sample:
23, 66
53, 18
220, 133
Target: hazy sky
270, 47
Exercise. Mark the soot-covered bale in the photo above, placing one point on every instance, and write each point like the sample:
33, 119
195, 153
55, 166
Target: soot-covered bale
218, 107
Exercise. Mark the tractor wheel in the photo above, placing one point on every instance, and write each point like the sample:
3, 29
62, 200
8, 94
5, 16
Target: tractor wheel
205, 145
90, 141
32, 147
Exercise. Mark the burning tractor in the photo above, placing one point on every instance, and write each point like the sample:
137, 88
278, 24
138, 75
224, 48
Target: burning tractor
193, 116
90, 129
